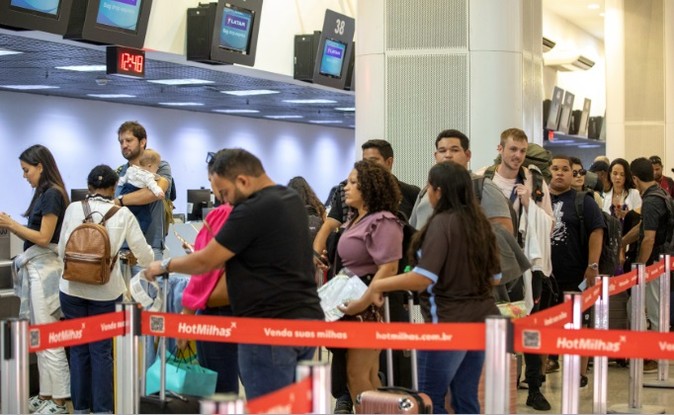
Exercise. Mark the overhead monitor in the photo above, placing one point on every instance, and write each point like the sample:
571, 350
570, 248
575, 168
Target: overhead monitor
555, 108
110, 22
565, 113
77, 195
335, 50
235, 32
332, 59
584, 118
43, 15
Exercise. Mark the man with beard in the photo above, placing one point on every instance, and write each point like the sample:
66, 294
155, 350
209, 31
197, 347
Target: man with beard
665, 182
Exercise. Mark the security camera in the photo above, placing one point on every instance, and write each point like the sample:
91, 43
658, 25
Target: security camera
102, 81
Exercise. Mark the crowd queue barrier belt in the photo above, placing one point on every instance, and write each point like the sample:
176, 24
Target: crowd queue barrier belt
546, 332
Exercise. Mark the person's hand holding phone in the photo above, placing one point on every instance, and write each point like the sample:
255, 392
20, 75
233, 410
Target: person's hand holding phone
188, 247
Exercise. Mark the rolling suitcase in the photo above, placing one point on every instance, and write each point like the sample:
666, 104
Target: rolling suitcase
392, 399
167, 402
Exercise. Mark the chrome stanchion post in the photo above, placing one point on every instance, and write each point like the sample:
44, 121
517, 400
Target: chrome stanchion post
127, 385
498, 346
389, 352
14, 366
638, 323
601, 316
662, 380
571, 370
320, 384
223, 404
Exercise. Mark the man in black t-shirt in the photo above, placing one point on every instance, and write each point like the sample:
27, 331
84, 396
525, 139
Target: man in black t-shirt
266, 248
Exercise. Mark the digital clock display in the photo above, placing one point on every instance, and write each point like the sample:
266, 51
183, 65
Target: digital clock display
125, 61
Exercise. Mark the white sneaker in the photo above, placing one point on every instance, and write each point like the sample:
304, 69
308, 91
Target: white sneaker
35, 402
51, 407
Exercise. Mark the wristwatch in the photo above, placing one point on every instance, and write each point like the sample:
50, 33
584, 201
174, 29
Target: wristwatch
594, 266
120, 198
165, 265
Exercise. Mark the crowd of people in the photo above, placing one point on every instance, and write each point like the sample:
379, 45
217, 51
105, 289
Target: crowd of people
508, 232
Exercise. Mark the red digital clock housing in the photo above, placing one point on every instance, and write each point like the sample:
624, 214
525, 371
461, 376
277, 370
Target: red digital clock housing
125, 61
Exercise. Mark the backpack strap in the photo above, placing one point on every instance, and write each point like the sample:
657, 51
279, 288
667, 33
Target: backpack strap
109, 214
478, 187
580, 212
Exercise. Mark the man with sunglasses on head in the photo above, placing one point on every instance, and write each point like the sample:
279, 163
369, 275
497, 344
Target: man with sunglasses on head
665, 182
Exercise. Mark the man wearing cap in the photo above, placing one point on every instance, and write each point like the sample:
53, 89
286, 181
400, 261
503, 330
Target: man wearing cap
664, 181
600, 168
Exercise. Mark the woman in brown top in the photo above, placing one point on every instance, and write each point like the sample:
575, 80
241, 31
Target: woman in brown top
456, 261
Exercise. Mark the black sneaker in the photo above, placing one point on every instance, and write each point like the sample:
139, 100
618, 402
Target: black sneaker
583, 381
343, 405
537, 401
552, 366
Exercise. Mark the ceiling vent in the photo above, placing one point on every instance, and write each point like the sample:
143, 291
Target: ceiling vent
567, 62
548, 44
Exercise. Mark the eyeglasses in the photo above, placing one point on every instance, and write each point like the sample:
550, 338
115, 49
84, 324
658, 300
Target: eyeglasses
209, 157
580, 172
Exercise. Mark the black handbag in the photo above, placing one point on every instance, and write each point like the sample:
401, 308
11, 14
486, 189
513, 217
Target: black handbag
334, 262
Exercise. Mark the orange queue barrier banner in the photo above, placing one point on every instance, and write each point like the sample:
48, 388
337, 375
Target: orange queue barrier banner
590, 296
622, 282
442, 336
555, 316
590, 342
75, 331
293, 399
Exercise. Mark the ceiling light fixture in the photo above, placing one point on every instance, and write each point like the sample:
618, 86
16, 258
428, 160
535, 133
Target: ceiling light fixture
111, 96
283, 117
325, 121
237, 111
345, 109
28, 87
309, 101
6, 52
83, 68
250, 92
182, 104
175, 82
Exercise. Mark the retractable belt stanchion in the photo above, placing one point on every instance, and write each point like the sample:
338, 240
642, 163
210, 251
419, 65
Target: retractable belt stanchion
638, 323
14, 367
498, 346
601, 316
571, 370
223, 404
389, 352
663, 365
320, 384
127, 396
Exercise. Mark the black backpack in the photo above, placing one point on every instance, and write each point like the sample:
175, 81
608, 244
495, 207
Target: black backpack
609, 260
667, 248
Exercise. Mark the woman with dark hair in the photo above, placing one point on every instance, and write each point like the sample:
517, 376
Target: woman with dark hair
314, 207
38, 270
456, 261
623, 195
91, 364
370, 248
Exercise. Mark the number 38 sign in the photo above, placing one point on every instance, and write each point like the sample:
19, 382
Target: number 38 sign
335, 50
125, 61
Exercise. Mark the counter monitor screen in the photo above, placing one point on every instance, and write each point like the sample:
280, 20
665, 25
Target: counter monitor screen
332, 59
77, 195
235, 28
119, 14
197, 200
39, 7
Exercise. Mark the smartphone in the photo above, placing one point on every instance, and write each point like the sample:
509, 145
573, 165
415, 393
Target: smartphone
186, 245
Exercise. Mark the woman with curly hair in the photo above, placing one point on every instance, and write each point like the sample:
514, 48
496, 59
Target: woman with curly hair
370, 247
456, 261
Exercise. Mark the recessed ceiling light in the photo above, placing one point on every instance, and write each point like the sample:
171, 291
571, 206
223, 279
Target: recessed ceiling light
345, 109
283, 117
237, 111
590, 146
593, 6
5, 52
83, 68
309, 101
250, 92
111, 96
182, 104
180, 81
325, 121
28, 87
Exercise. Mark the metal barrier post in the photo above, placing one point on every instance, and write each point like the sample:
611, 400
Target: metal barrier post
638, 323
320, 384
601, 315
663, 365
127, 393
223, 403
498, 346
14, 366
389, 352
571, 369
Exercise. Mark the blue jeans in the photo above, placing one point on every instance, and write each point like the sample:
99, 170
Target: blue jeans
90, 364
265, 369
220, 357
458, 371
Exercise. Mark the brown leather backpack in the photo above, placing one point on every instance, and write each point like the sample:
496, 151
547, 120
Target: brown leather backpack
87, 257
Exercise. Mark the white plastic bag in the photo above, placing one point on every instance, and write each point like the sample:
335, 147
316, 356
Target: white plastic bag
337, 291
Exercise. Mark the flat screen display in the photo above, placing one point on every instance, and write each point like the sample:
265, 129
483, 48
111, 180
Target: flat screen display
119, 14
333, 58
235, 28
49, 7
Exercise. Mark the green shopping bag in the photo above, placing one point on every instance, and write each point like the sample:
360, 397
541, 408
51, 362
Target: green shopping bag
182, 377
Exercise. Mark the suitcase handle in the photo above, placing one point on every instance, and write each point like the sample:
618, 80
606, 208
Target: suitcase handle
410, 297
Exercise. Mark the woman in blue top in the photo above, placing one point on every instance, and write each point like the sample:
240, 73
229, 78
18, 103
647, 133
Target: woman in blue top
39, 270
456, 260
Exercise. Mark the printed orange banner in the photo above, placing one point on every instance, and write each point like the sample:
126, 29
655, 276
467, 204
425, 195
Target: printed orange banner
589, 342
442, 336
75, 331
293, 399
590, 296
555, 316
622, 283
